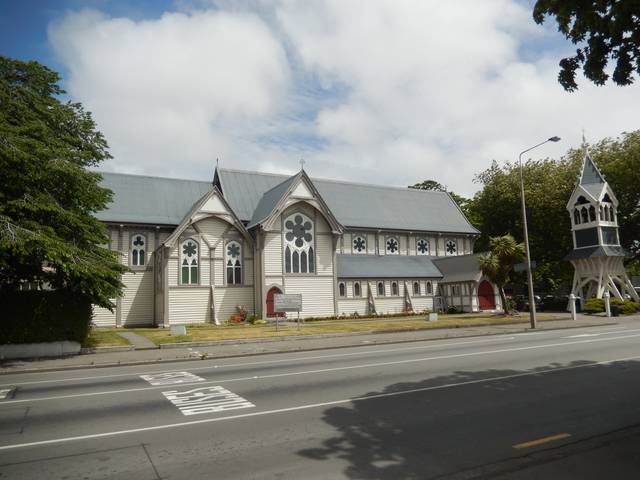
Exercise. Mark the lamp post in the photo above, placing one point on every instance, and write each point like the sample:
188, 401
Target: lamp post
532, 303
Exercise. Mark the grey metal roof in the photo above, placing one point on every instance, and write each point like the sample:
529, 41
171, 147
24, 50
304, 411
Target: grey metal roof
599, 251
461, 268
590, 173
269, 201
385, 266
150, 200
354, 204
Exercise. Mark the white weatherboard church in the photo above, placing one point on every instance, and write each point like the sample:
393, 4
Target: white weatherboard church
198, 249
597, 255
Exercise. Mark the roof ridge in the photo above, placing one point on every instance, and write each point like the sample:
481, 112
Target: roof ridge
138, 175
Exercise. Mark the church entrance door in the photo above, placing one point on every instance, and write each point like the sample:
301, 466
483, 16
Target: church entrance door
270, 309
486, 297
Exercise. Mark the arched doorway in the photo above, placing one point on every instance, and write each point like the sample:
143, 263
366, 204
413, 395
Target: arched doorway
486, 296
270, 309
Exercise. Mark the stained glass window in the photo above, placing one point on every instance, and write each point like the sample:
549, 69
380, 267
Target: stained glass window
138, 244
298, 239
393, 246
356, 289
234, 263
359, 244
451, 247
189, 262
422, 246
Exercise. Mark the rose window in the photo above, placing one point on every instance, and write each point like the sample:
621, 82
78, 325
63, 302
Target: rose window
359, 244
451, 247
422, 246
392, 245
233, 250
299, 255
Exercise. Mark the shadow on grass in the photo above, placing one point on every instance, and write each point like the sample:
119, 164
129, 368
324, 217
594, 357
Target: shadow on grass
452, 424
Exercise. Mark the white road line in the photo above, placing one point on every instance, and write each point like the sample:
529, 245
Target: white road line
171, 378
303, 407
323, 370
281, 360
4, 392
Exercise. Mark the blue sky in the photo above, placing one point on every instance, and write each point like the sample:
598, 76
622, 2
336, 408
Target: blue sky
397, 92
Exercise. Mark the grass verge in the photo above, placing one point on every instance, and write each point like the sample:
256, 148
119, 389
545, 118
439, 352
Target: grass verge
201, 333
105, 337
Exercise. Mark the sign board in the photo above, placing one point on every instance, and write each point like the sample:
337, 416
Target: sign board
522, 267
287, 302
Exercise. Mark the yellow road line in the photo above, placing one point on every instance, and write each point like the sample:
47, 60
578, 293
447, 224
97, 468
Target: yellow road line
540, 441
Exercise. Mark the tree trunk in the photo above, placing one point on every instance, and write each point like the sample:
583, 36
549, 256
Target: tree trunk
503, 299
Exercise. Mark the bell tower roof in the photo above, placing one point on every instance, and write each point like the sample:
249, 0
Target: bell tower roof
590, 174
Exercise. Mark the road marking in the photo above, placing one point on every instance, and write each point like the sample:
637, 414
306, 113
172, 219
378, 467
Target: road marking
206, 400
4, 393
584, 335
171, 378
541, 441
281, 360
325, 370
302, 407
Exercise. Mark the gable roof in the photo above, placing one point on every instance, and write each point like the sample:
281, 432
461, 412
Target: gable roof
460, 268
165, 201
354, 204
386, 266
270, 200
590, 173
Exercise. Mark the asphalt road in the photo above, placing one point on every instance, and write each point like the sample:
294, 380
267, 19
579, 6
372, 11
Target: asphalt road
553, 404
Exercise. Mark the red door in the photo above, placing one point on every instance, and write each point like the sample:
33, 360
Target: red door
486, 296
270, 310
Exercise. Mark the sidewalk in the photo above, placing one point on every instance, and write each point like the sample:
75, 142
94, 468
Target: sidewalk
119, 356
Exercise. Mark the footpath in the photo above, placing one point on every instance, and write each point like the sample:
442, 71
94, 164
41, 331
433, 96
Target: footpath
143, 353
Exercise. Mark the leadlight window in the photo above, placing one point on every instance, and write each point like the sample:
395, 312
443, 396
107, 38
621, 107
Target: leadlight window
342, 291
416, 288
451, 247
393, 246
381, 289
138, 247
189, 262
298, 238
429, 288
359, 244
394, 289
356, 289
234, 263
422, 246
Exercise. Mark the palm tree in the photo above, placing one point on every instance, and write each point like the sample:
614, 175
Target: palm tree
497, 264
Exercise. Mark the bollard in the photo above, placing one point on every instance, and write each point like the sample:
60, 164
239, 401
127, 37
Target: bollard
572, 302
607, 304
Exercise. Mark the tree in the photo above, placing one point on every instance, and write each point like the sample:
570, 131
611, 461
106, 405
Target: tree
604, 30
498, 263
48, 233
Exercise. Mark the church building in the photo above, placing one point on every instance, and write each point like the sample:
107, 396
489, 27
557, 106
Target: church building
199, 251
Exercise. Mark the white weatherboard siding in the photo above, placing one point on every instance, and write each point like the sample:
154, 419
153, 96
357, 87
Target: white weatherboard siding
351, 306
218, 271
212, 229
137, 302
247, 271
189, 305
226, 299
102, 317
389, 305
317, 294
422, 303
172, 269
273, 253
324, 255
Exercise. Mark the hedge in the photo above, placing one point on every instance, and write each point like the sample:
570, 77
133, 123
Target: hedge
34, 316
596, 305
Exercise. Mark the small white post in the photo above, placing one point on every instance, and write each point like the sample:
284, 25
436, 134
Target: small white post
572, 302
607, 304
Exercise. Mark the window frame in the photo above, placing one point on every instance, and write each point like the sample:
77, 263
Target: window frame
233, 267
138, 266
384, 289
359, 288
342, 290
310, 250
455, 245
190, 283
394, 283
386, 246
354, 236
425, 239
418, 293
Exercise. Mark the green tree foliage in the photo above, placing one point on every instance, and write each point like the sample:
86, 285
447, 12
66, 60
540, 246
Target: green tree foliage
497, 264
465, 204
603, 30
548, 186
47, 196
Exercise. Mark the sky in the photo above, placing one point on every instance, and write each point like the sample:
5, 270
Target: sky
385, 92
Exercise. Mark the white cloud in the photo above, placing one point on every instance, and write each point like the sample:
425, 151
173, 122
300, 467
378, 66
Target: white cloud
426, 89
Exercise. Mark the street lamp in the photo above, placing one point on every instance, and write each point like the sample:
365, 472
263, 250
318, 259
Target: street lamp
532, 303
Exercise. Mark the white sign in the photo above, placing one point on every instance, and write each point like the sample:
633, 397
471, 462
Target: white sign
171, 378
206, 400
287, 302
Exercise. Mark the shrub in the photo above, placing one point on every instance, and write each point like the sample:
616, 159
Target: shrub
594, 305
628, 307
34, 316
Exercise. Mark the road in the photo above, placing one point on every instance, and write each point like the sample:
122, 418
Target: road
552, 404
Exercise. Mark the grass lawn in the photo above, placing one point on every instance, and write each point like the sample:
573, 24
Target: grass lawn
209, 332
105, 337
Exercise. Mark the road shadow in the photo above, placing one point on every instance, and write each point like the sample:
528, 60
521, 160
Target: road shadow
447, 425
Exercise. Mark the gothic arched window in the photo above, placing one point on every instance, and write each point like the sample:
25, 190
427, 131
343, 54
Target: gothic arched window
592, 213
359, 244
381, 289
298, 239
585, 215
422, 246
138, 249
394, 288
342, 290
576, 216
392, 246
416, 288
189, 262
429, 289
356, 289
234, 263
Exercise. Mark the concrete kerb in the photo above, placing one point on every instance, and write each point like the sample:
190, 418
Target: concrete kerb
191, 358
